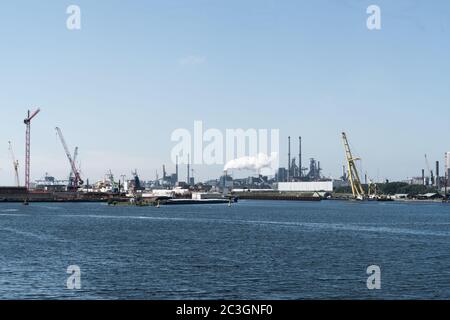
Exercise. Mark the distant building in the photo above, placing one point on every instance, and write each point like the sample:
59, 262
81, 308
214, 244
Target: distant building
49, 183
447, 164
294, 172
306, 186
212, 183
281, 176
173, 179
314, 173
182, 185
428, 196
206, 195
415, 181
162, 193
225, 182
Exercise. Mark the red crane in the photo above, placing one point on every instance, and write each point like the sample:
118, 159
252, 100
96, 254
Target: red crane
77, 179
27, 122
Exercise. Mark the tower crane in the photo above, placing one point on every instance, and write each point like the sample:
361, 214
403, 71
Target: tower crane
15, 164
27, 122
353, 175
77, 181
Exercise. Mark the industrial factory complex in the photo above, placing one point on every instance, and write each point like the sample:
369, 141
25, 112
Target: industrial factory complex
296, 181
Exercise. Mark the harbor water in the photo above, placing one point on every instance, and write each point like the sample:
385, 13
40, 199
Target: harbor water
251, 250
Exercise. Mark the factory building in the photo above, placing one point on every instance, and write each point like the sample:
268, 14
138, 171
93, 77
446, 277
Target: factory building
296, 171
309, 186
225, 182
49, 183
281, 176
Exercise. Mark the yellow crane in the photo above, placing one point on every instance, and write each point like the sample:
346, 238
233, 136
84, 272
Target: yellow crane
353, 175
15, 164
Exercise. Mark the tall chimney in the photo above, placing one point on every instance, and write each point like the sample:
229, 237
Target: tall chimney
318, 169
438, 179
289, 159
176, 170
447, 169
225, 175
300, 156
423, 177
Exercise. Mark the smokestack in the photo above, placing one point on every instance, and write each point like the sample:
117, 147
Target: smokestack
447, 169
188, 169
438, 182
423, 177
289, 159
300, 156
318, 169
176, 170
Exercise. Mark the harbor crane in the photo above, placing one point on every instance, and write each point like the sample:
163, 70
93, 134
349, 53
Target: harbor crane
27, 122
115, 186
77, 181
75, 156
353, 175
15, 164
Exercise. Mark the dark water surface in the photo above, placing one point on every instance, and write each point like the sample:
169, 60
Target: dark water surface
253, 250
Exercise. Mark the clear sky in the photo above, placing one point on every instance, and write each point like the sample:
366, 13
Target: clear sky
138, 70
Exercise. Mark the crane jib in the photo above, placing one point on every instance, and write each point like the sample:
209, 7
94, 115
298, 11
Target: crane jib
76, 173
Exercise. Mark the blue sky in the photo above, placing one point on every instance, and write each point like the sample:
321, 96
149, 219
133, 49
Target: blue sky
138, 70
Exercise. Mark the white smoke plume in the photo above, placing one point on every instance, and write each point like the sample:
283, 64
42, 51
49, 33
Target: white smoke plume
257, 163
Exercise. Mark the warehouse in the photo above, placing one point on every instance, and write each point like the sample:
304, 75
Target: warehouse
307, 186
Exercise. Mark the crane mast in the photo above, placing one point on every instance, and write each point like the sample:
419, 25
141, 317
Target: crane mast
27, 122
75, 155
15, 164
353, 175
77, 179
